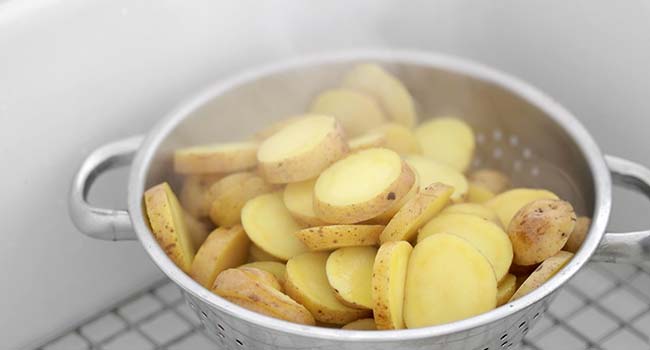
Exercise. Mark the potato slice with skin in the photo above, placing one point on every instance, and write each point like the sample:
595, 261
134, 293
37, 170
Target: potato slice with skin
388, 90
299, 199
540, 229
364, 324
271, 227
508, 203
307, 284
388, 279
278, 269
431, 171
492, 180
256, 253
506, 289
369, 140
262, 276
578, 235
215, 158
302, 149
416, 212
245, 289
473, 209
386, 216
361, 186
478, 193
168, 226
222, 186
223, 249
447, 280
399, 138
226, 208
447, 140
193, 194
486, 236
338, 236
349, 272
356, 111
543, 273
274, 128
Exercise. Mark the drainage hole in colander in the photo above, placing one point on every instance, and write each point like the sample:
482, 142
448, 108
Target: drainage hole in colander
220, 326
522, 325
504, 336
505, 345
536, 316
486, 348
524, 331
239, 342
221, 335
203, 314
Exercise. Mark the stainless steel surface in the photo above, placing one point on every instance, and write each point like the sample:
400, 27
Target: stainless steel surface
102, 223
519, 130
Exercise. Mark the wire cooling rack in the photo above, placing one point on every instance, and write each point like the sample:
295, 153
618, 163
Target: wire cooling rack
606, 306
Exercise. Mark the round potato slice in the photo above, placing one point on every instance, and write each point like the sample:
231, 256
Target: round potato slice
540, 229
369, 140
356, 111
386, 216
299, 199
543, 273
167, 221
256, 253
349, 272
388, 90
447, 280
271, 227
215, 158
364, 324
399, 138
486, 236
506, 289
490, 179
274, 127
302, 149
361, 186
223, 249
508, 203
473, 209
307, 283
262, 276
388, 279
478, 194
193, 194
277, 269
338, 236
246, 289
416, 212
447, 140
227, 205
431, 171
578, 235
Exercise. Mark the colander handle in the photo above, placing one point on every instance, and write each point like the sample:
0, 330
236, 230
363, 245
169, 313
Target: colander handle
101, 223
629, 246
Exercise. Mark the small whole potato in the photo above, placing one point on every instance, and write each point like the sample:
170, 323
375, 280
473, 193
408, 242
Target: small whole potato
540, 229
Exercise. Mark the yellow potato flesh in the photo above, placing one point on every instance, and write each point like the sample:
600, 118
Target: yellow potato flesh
256, 253
508, 203
478, 193
431, 171
296, 138
215, 158
338, 236
271, 227
278, 269
349, 272
547, 269
399, 138
447, 280
366, 141
506, 288
388, 280
224, 248
473, 209
486, 236
356, 111
299, 199
364, 324
386, 216
447, 140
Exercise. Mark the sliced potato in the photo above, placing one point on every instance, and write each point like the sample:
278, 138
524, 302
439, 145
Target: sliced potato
263, 276
368, 140
194, 192
447, 140
271, 227
386, 216
302, 149
540, 229
197, 229
578, 235
299, 199
431, 171
256, 253
486, 236
356, 111
543, 273
274, 127
223, 249
478, 194
349, 272
364, 324
338, 236
416, 212
226, 207
506, 289
361, 186
388, 279
167, 221
278, 269
222, 186
215, 158
519, 270
399, 138
307, 283
490, 179
245, 289
447, 280
474, 209
388, 90
508, 203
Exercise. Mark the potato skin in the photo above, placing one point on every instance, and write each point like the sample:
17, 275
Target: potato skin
223, 249
543, 273
225, 209
540, 229
209, 159
364, 324
578, 235
338, 236
388, 279
508, 203
506, 289
278, 269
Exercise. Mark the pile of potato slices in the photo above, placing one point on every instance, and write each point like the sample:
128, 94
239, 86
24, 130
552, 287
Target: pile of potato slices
353, 215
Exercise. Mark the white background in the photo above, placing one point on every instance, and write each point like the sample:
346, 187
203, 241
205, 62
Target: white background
76, 74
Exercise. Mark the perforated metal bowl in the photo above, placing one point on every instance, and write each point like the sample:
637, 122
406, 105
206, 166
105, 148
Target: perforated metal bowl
519, 130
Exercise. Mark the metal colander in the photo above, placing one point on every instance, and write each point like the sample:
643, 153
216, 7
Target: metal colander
519, 131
